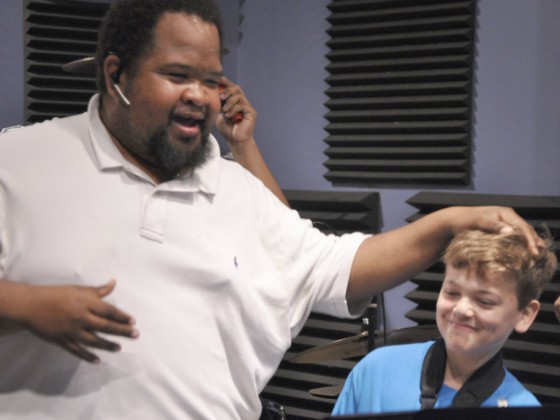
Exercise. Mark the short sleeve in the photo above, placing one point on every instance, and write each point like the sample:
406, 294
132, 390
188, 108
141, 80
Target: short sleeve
315, 267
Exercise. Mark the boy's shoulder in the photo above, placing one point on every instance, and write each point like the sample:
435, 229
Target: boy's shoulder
405, 348
392, 356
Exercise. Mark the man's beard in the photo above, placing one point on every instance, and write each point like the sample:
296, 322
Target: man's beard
172, 160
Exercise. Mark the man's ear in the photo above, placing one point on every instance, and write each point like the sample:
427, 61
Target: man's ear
527, 315
111, 66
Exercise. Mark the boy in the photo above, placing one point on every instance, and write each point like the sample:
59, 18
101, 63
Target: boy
491, 287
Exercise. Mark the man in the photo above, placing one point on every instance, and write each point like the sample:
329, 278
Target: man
218, 273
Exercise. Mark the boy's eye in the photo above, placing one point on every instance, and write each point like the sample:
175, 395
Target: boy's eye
451, 293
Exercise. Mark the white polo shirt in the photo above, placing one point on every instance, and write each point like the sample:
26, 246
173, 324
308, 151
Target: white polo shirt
217, 272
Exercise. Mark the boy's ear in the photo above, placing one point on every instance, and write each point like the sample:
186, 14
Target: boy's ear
527, 315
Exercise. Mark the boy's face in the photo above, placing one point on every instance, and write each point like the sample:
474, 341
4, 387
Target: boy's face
476, 316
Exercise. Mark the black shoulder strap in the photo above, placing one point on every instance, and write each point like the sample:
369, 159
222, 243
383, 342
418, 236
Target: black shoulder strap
433, 369
481, 384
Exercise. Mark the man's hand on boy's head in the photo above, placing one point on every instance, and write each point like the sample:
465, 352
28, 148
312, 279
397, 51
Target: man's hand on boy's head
499, 220
557, 308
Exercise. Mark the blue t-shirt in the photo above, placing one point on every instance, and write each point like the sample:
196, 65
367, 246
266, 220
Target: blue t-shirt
388, 380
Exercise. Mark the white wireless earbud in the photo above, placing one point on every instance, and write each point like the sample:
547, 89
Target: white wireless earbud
115, 77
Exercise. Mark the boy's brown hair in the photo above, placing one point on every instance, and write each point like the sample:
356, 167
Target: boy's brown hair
505, 254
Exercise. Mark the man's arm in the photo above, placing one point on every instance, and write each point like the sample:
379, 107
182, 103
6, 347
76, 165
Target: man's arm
239, 135
69, 316
388, 259
557, 308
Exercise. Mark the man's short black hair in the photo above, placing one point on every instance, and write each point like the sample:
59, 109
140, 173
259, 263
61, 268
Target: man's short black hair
128, 27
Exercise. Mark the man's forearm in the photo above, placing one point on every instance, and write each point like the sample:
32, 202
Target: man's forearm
386, 260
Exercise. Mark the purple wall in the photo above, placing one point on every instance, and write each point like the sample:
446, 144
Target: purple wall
281, 67
11, 63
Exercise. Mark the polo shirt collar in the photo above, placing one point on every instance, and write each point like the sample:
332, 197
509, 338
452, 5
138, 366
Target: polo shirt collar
108, 157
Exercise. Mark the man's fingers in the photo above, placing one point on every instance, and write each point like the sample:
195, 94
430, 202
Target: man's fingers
508, 220
114, 328
79, 351
87, 338
106, 289
91, 339
109, 312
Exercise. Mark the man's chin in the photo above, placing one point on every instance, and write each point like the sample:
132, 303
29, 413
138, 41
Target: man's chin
188, 158
178, 154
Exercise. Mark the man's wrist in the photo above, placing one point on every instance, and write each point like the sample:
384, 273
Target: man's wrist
242, 148
13, 301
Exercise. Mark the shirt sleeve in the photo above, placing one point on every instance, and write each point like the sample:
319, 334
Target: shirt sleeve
315, 268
